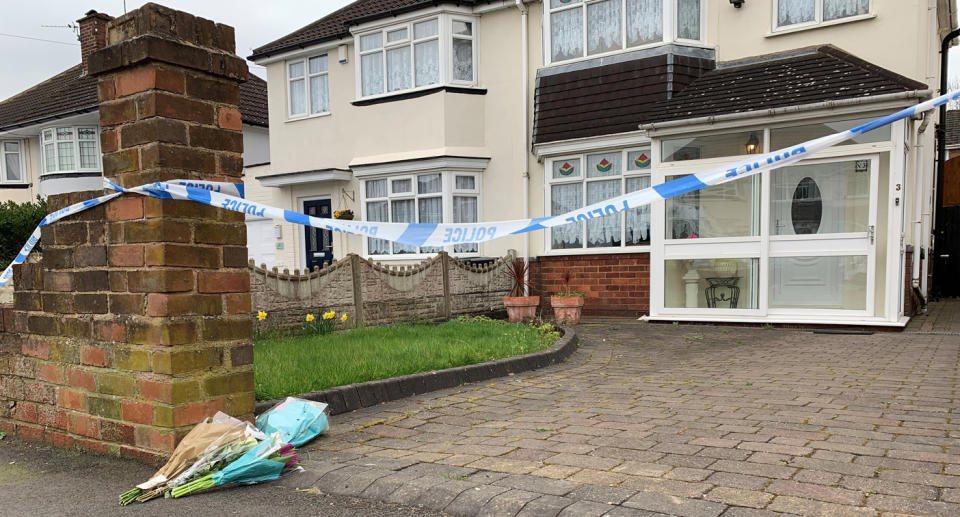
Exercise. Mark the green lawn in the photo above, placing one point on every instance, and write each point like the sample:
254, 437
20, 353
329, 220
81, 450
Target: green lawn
291, 365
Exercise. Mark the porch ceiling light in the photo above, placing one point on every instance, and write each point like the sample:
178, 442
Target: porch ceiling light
737, 3
753, 143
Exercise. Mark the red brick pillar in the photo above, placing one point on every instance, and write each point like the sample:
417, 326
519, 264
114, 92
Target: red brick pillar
135, 324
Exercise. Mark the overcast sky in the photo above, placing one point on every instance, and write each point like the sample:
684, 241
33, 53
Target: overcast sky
27, 62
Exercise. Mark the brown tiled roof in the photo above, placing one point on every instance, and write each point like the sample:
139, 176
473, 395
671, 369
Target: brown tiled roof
336, 24
69, 93
953, 128
804, 76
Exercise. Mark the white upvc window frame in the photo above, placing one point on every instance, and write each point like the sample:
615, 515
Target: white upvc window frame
308, 108
626, 173
444, 38
447, 192
817, 21
3, 162
669, 27
54, 140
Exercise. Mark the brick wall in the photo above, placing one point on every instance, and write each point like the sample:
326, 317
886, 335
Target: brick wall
613, 285
93, 34
437, 288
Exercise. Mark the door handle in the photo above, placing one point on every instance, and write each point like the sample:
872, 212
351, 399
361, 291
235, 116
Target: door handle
871, 232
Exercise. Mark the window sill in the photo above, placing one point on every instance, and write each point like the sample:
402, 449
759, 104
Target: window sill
602, 55
598, 251
412, 94
70, 174
813, 26
15, 185
308, 117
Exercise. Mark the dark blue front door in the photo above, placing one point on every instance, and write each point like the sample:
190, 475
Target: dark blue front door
319, 243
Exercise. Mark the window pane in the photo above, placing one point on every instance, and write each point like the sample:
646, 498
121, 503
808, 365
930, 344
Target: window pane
12, 165
397, 35
638, 160
430, 210
296, 69
87, 133
462, 59
819, 282
603, 26
790, 12
566, 168
465, 211
64, 133
377, 212
318, 64
603, 231
566, 34
835, 9
787, 136
47, 135
398, 69
638, 219
688, 19
65, 156
371, 41
462, 28
404, 186
88, 155
319, 94
371, 70
426, 55
402, 211
727, 283
564, 198
466, 183
298, 98
11, 147
726, 210
644, 22
376, 188
606, 164
563, 3
426, 29
49, 158
821, 198
711, 146
428, 184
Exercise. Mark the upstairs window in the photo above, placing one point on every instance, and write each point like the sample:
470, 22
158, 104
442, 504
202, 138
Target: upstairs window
419, 54
583, 28
799, 13
11, 162
308, 86
70, 149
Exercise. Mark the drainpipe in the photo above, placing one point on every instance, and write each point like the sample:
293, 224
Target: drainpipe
941, 138
918, 249
524, 162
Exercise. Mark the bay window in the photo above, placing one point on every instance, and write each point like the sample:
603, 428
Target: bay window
580, 180
70, 149
417, 54
11, 162
308, 86
436, 197
798, 13
583, 28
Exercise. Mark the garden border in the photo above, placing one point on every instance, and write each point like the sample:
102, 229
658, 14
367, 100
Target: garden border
343, 399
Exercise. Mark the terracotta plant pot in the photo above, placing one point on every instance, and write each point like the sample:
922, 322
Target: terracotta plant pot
521, 308
567, 309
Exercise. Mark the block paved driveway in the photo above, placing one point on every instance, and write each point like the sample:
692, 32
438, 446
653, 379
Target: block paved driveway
692, 420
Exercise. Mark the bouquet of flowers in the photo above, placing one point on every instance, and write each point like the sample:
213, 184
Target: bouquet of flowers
264, 462
297, 421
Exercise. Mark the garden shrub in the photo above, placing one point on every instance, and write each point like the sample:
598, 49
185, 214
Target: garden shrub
17, 222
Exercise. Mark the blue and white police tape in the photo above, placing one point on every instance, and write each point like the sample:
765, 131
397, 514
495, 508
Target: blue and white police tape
230, 197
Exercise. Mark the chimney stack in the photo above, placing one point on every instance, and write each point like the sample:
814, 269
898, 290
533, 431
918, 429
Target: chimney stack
93, 34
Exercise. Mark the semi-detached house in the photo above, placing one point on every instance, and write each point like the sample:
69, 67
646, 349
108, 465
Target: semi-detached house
470, 110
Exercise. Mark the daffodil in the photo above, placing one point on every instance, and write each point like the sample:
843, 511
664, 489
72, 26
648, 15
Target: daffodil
310, 317
261, 315
344, 317
329, 315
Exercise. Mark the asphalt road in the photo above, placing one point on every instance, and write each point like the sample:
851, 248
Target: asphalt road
40, 480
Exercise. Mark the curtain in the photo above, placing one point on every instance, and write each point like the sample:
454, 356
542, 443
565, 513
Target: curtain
376, 188
426, 29
564, 198
427, 62
466, 183
603, 27
318, 64
462, 59
398, 69
429, 184
319, 96
298, 98
688, 19
403, 186
603, 231
371, 72
644, 22
465, 211
566, 34
377, 212
834, 9
638, 219
402, 211
790, 12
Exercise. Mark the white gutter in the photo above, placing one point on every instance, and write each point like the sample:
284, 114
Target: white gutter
524, 161
711, 119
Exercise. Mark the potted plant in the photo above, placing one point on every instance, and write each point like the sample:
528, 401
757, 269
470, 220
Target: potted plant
567, 304
519, 307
